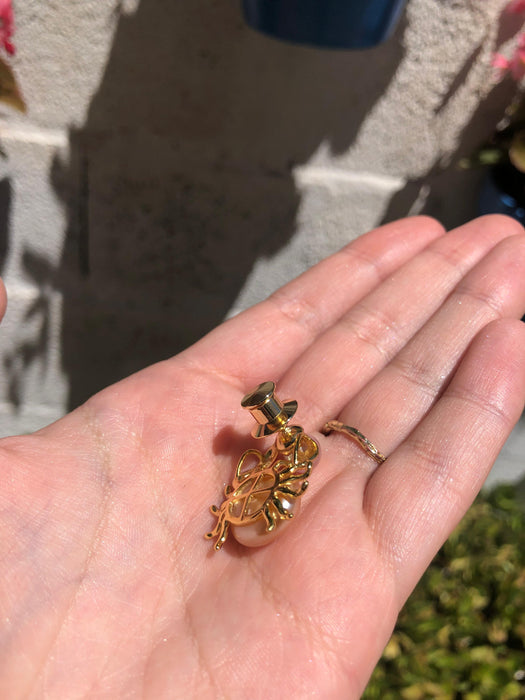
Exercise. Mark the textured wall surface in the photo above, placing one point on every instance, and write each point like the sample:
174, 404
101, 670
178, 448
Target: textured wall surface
175, 167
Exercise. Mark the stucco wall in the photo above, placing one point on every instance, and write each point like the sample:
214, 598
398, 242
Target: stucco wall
175, 167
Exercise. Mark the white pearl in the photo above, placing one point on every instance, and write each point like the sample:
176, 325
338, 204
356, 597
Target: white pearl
255, 534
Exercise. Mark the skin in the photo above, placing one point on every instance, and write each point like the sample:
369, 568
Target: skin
108, 588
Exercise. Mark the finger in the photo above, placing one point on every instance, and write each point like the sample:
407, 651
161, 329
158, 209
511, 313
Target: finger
3, 300
392, 404
262, 342
350, 353
415, 499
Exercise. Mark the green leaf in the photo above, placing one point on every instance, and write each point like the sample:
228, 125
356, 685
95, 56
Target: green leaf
517, 151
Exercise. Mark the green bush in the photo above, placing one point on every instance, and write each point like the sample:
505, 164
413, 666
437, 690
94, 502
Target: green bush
461, 634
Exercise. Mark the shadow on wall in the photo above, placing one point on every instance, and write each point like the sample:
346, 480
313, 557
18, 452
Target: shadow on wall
6, 196
434, 194
181, 176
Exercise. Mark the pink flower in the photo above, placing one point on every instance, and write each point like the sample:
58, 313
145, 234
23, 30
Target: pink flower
516, 64
7, 26
515, 7
501, 64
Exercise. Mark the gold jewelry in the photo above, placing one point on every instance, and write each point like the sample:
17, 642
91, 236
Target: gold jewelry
354, 434
266, 487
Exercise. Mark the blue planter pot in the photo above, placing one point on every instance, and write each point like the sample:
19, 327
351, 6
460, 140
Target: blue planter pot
336, 24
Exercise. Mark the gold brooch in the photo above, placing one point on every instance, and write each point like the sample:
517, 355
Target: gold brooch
266, 487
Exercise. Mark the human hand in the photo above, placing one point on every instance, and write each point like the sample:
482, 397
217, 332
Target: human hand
107, 586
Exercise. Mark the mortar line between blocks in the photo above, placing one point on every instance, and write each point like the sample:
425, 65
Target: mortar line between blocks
35, 135
323, 175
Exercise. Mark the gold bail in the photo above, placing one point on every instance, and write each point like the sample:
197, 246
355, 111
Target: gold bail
270, 413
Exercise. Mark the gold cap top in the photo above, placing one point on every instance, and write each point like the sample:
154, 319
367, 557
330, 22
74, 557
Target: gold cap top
270, 413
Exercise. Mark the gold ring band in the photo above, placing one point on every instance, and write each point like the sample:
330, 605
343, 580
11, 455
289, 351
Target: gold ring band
370, 449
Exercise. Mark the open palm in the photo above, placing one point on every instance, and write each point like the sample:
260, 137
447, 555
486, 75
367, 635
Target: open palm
107, 585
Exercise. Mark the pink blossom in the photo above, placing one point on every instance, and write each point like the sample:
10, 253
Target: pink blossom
7, 26
501, 63
515, 65
515, 7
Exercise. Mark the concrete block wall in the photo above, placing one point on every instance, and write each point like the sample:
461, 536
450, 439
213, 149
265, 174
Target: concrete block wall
175, 167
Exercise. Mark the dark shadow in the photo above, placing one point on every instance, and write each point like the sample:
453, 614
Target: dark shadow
6, 196
229, 442
16, 363
435, 195
181, 177
520, 492
509, 25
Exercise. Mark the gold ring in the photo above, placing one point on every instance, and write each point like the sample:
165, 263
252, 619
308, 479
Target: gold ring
265, 489
370, 449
